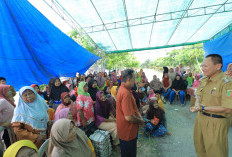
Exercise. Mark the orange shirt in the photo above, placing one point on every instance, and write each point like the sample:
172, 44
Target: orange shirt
126, 106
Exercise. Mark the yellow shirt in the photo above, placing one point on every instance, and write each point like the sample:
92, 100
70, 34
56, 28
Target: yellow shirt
160, 104
216, 92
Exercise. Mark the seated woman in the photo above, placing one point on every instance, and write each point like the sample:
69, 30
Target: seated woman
92, 90
63, 113
142, 97
178, 88
114, 91
197, 81
68, 140
56, 90
155, 115
150, 94
156, 85
67, 103
22, 148
229, 71
7, 106
111, 99
71, 92
30, 117
166, 85
85, 110
37, 89
104, 117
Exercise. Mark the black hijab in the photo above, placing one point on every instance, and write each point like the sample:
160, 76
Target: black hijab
56, 91
178, 84
92, 91
157, 112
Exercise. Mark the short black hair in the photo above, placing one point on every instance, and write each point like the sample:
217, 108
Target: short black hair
127, 74
2, 78
217, 59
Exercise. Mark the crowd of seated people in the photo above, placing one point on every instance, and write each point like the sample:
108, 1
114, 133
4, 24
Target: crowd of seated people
69, 112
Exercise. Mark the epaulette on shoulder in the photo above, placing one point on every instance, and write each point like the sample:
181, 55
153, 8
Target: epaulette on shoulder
226, 79
204, 77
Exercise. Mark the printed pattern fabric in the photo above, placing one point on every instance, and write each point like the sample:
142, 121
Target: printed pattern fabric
86, 104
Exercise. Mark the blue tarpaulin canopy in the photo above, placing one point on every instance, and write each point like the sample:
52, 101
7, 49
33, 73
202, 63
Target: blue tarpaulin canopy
32, 49
221, 46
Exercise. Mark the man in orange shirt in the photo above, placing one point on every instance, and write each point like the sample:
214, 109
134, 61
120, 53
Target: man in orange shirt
127, 116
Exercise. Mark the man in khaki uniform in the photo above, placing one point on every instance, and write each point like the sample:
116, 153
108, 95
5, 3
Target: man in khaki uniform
214, 103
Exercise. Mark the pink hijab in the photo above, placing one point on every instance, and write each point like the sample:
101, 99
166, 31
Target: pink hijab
63, 113
3, 91
151, 95
72, 91
196, 82
72, 106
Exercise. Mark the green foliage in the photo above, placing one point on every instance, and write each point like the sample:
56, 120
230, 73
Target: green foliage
119, 60
188, 56
112, 61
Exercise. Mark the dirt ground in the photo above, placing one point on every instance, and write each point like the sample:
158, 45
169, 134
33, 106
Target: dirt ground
180, 123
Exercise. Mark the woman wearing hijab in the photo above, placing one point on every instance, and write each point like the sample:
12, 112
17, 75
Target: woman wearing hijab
114, 91
71, 91
63, 113
229, 71
166, 85
7, 106
92, 89
178, 88
172, 74
22, 148
114, 78
37, 89
104, 117
165, 70
30, 117
85, 110
67, 103
56, 90
111, 99
155, 127
69, 141
101, 81
151, 94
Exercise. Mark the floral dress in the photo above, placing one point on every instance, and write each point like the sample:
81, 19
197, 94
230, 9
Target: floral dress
85, 103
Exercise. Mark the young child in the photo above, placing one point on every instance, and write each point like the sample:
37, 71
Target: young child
155, 116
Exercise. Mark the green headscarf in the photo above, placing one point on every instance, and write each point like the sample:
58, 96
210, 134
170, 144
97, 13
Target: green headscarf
80, 89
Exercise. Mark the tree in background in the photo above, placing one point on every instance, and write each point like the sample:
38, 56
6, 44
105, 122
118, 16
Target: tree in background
189, 56
111, 61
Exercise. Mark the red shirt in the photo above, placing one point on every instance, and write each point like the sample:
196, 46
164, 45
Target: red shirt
126, 106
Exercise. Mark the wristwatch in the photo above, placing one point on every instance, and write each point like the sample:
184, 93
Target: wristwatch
202, 108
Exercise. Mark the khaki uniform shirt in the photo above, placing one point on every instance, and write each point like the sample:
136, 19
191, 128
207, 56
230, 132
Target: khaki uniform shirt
216, 92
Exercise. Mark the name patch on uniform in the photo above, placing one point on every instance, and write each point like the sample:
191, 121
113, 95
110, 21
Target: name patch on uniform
229, 93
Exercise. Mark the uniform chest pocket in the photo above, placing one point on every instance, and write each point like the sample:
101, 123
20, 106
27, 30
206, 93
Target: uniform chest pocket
215, 93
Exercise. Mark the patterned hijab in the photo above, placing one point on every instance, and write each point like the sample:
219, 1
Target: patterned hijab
34, 114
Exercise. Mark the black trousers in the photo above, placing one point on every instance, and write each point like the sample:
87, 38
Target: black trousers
128, 148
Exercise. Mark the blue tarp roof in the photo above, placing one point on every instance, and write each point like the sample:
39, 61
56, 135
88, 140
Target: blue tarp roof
221, 46
32, 49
